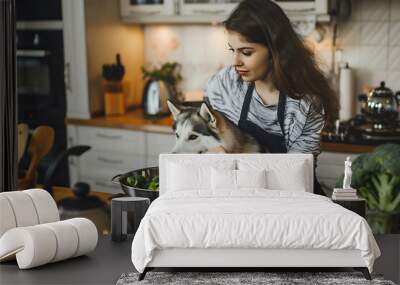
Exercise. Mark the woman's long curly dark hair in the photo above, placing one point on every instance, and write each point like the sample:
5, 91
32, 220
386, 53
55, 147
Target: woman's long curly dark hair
293, 68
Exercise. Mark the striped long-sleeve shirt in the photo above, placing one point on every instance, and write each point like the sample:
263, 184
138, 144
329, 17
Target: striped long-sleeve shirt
302, 123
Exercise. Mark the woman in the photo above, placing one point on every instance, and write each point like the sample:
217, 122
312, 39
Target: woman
274, 90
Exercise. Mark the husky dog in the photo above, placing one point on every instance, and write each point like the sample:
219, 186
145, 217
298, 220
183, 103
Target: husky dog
199, 129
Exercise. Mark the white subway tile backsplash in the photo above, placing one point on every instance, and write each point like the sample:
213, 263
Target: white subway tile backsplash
349, 33
393, 81
374, 33
356, 8
193, 40
216, 45
375, 10
368, 79
394, 34
394, 59
162, 44
395, 10
373, 58
351, 55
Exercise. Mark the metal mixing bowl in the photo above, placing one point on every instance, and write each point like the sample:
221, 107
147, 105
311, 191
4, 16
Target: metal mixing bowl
148, 173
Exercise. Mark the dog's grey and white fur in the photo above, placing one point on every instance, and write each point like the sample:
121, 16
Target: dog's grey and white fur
199, 129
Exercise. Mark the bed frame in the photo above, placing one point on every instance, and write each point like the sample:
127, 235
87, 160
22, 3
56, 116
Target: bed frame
246, 258
256, 258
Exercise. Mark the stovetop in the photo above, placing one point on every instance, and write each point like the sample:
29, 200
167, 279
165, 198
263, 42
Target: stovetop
360, 131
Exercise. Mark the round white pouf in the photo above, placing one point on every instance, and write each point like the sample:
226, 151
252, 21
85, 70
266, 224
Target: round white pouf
23, 208
67, 240
40, 244
46, 207
6, 216
87, 234
33, 246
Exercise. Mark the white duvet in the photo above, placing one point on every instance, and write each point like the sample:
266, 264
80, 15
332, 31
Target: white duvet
253, 218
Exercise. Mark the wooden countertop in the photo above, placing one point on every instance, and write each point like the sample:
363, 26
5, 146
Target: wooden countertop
135, 120
346, 148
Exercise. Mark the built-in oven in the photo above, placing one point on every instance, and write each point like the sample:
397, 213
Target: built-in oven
41, 87
40, 77
38, 10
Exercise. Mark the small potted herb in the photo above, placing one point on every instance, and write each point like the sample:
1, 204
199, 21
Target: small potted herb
169, 72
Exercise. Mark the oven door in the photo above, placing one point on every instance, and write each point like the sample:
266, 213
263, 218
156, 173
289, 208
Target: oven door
40, 86
38, 10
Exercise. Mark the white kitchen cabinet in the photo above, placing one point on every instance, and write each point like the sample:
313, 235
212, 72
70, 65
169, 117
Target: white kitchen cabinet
156, 144
207, 8
211, 11
176, 11
331, 166
142, 9
113, 151
75, 68
108, 139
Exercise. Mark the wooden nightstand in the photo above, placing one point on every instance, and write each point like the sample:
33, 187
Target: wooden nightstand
358, 206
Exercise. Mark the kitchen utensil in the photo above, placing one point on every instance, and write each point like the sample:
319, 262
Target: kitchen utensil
23, 132
147, 173
41, 142
114, 72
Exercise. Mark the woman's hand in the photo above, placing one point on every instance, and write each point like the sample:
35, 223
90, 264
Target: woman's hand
218, 149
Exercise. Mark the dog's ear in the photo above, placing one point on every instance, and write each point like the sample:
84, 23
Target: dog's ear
174, 110
207, 115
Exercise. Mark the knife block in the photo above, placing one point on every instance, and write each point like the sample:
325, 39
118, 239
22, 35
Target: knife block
115, 93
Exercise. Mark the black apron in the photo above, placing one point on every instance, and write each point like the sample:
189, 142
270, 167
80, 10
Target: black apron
273, 142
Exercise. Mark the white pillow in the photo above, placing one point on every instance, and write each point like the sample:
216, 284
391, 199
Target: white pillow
289, 175
223, 179
296, 181
251, 178
237, 179
185, 175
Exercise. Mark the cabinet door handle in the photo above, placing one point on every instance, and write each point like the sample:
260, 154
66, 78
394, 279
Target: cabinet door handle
176, 7
113, 161
100, 135
32, 53
67, 76
147, 13
200, 11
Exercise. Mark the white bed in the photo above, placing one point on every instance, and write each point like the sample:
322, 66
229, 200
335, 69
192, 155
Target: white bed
251, 226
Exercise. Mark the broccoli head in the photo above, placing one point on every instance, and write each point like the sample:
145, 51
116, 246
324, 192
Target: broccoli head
386, 158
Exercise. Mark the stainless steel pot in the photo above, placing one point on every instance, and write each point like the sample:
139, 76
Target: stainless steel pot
148, 173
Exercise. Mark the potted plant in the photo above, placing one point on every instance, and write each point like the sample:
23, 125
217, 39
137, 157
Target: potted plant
169, 72
376, 176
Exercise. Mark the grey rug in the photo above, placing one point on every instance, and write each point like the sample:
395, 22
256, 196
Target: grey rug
243, 278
